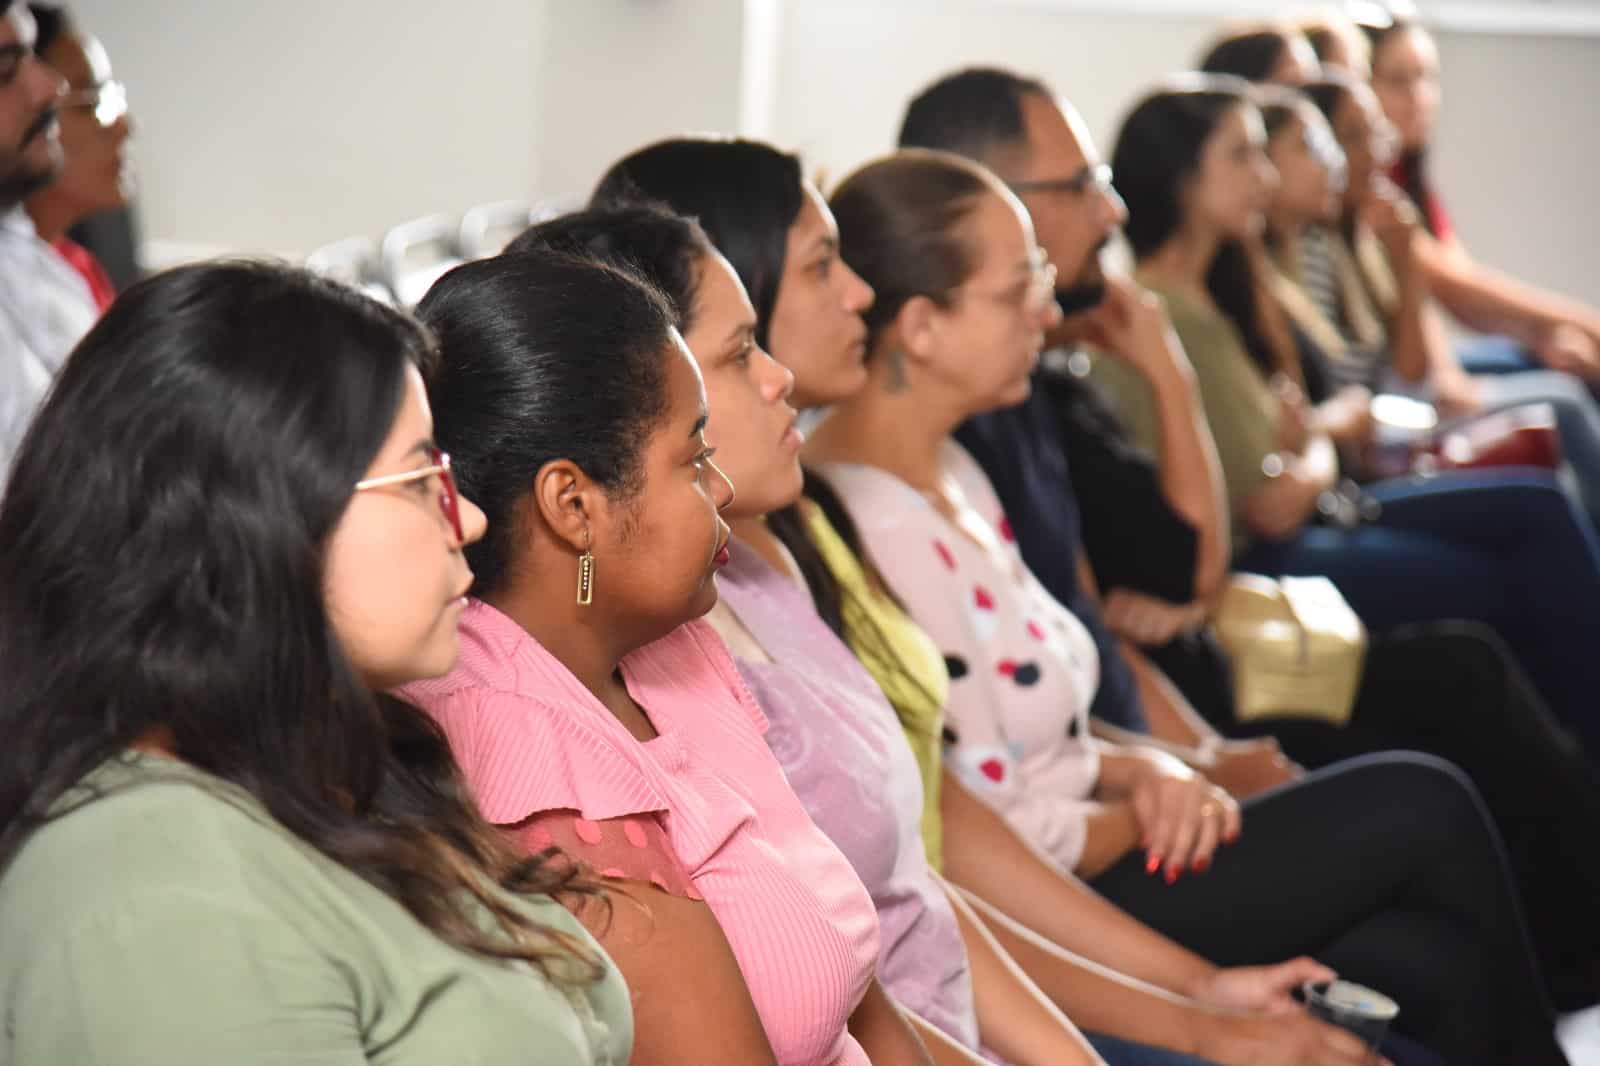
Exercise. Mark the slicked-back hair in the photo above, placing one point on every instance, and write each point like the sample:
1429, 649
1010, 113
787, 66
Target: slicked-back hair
648, 239
975, 113
542, 356
901, 221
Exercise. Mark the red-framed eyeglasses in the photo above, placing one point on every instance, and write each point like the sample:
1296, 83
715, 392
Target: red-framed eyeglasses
449, 498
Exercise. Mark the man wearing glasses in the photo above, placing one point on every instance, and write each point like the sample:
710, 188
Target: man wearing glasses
45, 306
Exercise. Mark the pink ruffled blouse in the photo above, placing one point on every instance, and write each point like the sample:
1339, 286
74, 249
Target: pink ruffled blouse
532, 739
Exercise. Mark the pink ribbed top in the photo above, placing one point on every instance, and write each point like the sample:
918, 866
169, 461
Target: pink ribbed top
531, 738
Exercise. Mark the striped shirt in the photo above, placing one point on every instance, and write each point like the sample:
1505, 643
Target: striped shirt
531, 738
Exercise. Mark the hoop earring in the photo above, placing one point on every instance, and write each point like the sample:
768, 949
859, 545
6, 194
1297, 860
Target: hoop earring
586, 574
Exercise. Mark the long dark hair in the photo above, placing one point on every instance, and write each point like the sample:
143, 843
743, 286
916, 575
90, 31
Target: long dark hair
1158, 149
744, 194
542, 356
162, 544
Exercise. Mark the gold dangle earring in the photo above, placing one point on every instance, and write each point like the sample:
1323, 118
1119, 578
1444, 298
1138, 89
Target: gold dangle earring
586, 574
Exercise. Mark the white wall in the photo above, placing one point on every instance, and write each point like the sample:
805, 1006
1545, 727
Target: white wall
281, 126
1517, 156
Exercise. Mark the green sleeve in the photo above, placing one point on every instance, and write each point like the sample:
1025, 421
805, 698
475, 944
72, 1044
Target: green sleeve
1130, 394
182, 977
1239, 409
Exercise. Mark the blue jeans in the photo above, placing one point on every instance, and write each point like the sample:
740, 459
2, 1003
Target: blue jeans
1493, 354
1501, 547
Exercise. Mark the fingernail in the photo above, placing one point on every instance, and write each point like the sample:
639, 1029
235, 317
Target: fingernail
1172, 875
1201, 864
1231, 838
1152, 864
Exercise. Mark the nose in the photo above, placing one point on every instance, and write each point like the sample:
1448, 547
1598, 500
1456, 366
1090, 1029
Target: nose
1267, 174
474, 523
1049, 314
722, 489
1113, 211
778, 380
858, 295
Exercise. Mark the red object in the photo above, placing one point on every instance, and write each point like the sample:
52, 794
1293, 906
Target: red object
88, 267
1522, 436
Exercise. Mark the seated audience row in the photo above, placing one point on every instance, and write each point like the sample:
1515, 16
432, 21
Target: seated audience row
499, 677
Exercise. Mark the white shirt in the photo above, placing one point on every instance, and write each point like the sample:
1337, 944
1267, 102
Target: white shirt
45, 309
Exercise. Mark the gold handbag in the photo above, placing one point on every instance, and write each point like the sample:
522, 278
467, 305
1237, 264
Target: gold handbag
1296, 646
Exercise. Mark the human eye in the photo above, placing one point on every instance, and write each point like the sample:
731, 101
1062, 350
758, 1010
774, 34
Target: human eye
824, 266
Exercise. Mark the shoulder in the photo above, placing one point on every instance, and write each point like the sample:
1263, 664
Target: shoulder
147, 839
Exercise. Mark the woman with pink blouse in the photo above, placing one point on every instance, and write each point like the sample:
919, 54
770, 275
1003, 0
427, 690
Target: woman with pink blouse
592, 709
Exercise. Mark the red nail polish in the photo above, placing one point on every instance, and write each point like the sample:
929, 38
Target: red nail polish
1172, 875
1202, 864
1231, 838
1152, 864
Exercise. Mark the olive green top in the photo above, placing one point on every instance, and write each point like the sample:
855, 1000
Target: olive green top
1239, 405
170, 921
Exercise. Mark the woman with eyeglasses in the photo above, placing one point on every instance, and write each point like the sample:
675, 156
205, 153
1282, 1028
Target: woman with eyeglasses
97, 171
594, 706
1314, 867
227, 534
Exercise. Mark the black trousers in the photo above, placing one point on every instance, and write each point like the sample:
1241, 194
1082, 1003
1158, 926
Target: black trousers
1388, 869
1453, 690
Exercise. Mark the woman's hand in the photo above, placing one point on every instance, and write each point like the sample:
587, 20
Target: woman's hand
1295, 417
1147, 620
1183, 817
1567, 348
1295, 1039
1390, 214
1266, 989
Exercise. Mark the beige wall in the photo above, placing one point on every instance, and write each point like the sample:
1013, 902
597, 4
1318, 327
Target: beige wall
281, 126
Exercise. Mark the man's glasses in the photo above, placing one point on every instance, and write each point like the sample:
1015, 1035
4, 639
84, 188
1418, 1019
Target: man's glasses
449, 498
108, 101
1097, 177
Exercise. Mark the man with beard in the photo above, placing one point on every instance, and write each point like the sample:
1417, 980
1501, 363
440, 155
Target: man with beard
1075, 486
45, 306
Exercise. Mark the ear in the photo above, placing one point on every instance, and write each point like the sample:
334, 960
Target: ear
919, 328
570, 503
